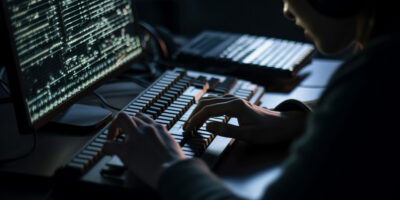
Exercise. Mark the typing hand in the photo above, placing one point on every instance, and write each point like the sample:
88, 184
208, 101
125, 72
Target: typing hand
256, 124
147, 148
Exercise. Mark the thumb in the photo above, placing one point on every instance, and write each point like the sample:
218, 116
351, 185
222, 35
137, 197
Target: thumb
115, 148
226, 130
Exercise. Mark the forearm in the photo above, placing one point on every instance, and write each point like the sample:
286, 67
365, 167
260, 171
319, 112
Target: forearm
191, 179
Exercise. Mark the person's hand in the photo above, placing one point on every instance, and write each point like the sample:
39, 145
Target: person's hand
256, 124
147, 149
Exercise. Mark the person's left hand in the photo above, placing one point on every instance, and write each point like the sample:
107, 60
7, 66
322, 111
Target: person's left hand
147, 149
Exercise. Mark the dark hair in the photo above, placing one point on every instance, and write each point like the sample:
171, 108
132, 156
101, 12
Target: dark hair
337, 8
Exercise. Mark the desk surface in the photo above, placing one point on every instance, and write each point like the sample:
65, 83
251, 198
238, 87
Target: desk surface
246, 169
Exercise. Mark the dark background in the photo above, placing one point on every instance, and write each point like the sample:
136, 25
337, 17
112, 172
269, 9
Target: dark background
189, 17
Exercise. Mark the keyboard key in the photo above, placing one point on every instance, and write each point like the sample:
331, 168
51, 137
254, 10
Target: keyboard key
172, 96
162, 102
100, 140
132, 111
174, 112
151, 113
90, 152
163, 122
95, 144
85, 162
173, 116
159, 105
139, 105
189, 154
86, 157
169, 119
175, 105
151, 93
79, 166
135, 107
165, 82
167, 99
147, 95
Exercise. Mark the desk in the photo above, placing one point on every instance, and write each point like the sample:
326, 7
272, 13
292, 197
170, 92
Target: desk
246, 169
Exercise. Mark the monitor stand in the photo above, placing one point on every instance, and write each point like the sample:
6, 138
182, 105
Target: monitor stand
80, 117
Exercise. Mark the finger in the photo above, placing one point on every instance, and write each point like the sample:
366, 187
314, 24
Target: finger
139, 122
145, 128
252, 134
149, 128
202, 101
124, 121
114, 148
145, 118
228, 130
151, 132
209, 96
113, 129
163, 133
231, 108
214, 96
229, 95
205, 102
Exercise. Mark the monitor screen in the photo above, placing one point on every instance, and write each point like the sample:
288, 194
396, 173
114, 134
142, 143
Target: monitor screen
61, 49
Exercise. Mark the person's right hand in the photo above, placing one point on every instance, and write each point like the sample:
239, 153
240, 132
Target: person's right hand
256, 124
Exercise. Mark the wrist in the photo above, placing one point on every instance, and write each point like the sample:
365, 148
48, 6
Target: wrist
164, 166
296, 122
168, 164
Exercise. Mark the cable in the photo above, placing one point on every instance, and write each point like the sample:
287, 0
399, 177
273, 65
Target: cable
105, 102
140, 82
8, 160
168, 63
163, 48
2, 70
4, 85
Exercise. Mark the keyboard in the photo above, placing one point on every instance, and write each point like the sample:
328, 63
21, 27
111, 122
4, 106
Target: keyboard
245, 56
169, 101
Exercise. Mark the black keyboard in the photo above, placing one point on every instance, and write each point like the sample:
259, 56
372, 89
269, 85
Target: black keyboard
245, 56
169, 101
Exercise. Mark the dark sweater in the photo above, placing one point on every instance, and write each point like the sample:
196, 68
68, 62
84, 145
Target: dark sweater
350, 149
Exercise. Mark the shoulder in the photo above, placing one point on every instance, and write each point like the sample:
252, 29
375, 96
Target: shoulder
350, 144
375, 69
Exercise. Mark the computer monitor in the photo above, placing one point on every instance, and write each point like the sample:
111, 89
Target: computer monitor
59, 50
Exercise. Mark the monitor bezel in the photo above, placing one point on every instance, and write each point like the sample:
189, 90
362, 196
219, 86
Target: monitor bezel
11, 63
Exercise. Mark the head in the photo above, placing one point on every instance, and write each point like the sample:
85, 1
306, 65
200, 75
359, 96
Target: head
333, 25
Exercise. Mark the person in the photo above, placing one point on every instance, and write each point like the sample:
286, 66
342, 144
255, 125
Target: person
347, 147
